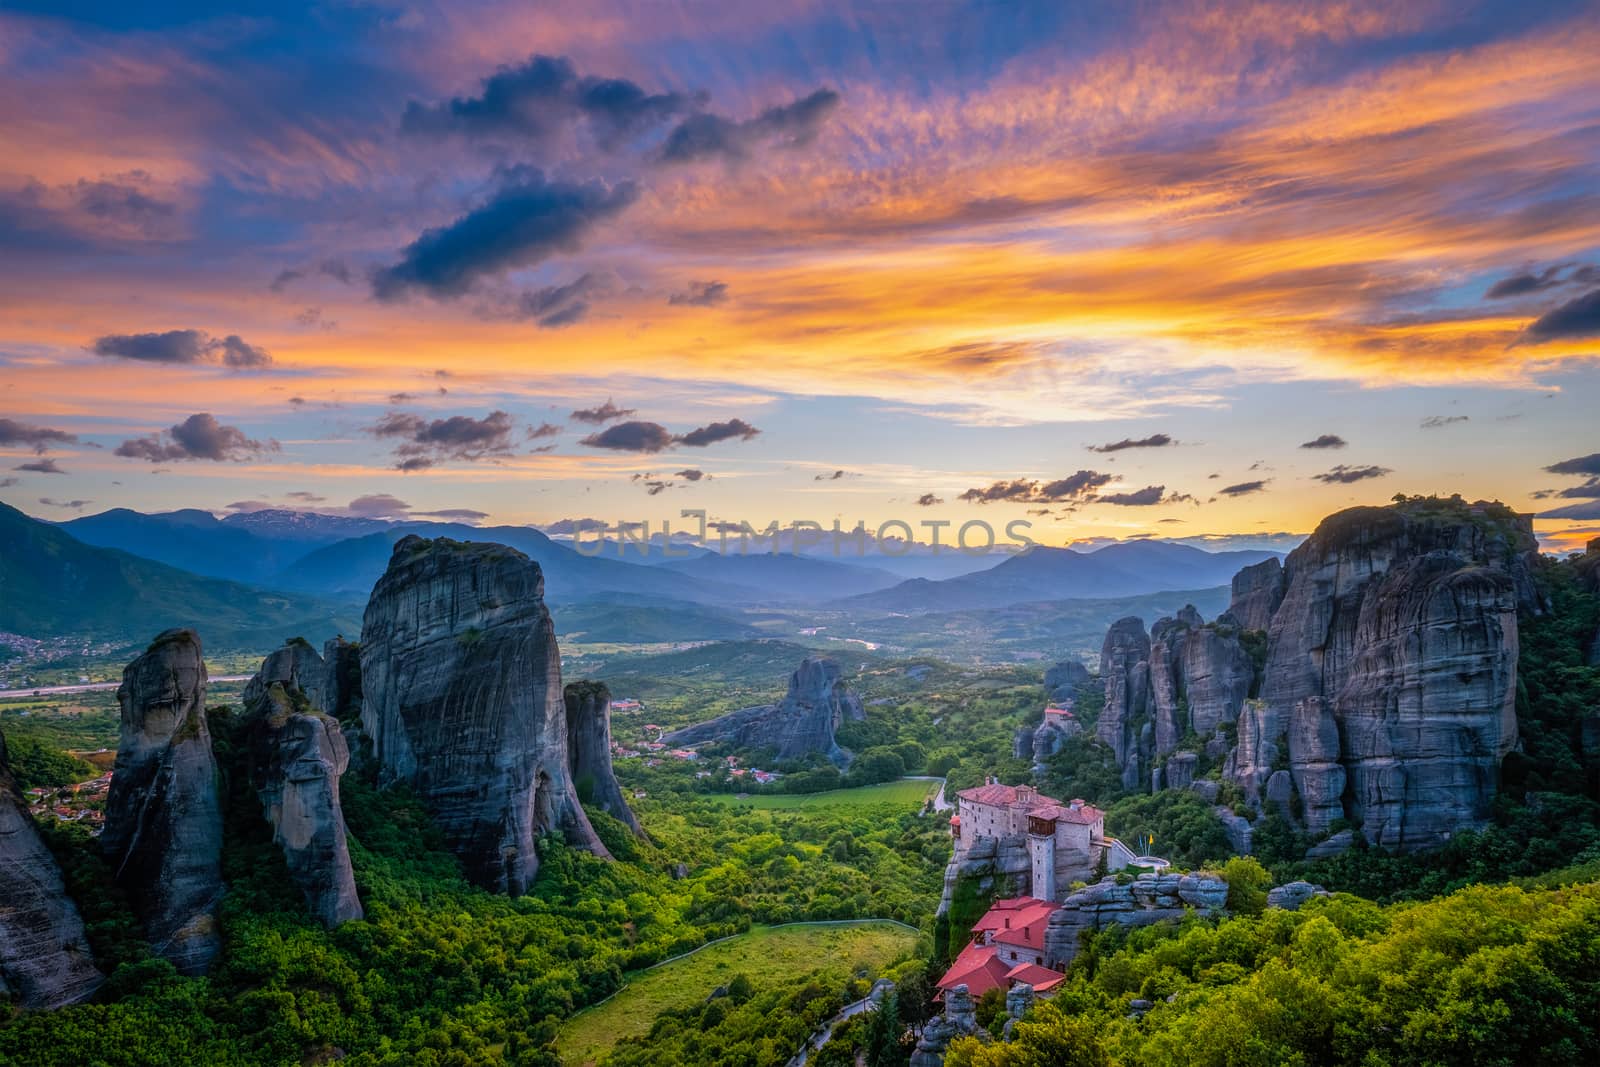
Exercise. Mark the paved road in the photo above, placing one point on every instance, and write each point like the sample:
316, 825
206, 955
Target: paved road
61, 690
820, 1038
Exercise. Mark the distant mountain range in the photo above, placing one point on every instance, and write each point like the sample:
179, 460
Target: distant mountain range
322, 567
1128, 568
52, 584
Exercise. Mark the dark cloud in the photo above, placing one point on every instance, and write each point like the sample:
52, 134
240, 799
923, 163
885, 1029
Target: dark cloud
7, 483
38, 438
40, 466
928, 500
562, 305
70, 505
297, 401
248, 506
1246, 488
1434, 422
708, 136
718, 431
332, 268
401, 398
602, 414
1589, 464
1587, 510
309, 498
123, 202
378, 506
422, 442
691, 475
1587, 491
544, 429
1327, 440
1159, 440
1524, 283
1079, 486
1343, 475
1140, 498
835, 476
701, 295
538, 98
182, 346
528, 220
631, 437
197, 437
1579, 317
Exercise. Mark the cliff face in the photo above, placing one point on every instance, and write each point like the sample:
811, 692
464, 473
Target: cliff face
163, 829
44, 956
463, 702
1257, 592
1391, 669
1184, 681
588, 706
1387, 694
805, 721
297, 755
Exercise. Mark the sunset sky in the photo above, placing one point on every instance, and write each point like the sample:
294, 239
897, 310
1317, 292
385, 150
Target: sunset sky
1119, 269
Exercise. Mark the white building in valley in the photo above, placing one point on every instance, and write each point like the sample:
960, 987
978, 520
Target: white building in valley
1065, 841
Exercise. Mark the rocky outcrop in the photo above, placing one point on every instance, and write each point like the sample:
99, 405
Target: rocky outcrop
44, 956
1147, 899
1291, 895
341, 680
1125, 673
1391, 669
960, 1017
297, 755
805, 721
463, 702
1257, 592
163, 828
1063, 680
588, 707
1186, 680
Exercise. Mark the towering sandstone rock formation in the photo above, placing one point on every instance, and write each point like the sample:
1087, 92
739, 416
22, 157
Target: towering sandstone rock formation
588, 706
297, 755
463, 702
163, 829
1388, 693
1391, 669
805, 721
44, 957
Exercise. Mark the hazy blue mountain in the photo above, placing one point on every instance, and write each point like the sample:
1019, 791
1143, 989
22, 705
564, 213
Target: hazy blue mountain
192, 540
51, 583
1044, 573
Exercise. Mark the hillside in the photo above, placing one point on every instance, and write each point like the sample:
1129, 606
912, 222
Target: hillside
1040, 573
52, 584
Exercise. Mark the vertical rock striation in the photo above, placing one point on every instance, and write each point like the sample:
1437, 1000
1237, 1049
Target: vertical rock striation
588, 707
1257, 592
163, 829
297, 755
463, 702
1125, 672
44, 956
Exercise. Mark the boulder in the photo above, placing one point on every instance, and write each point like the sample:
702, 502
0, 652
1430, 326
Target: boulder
163, 827
818, 701
1279, 793
1335, 845
1205, 789
44, 955
588, 707
1291, 895
1237, 828
462, 702
1181, 768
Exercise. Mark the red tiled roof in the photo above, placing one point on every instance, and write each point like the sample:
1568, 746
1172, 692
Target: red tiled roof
998, 794
1027, 920
978, 968
1087, 815
1043, 979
